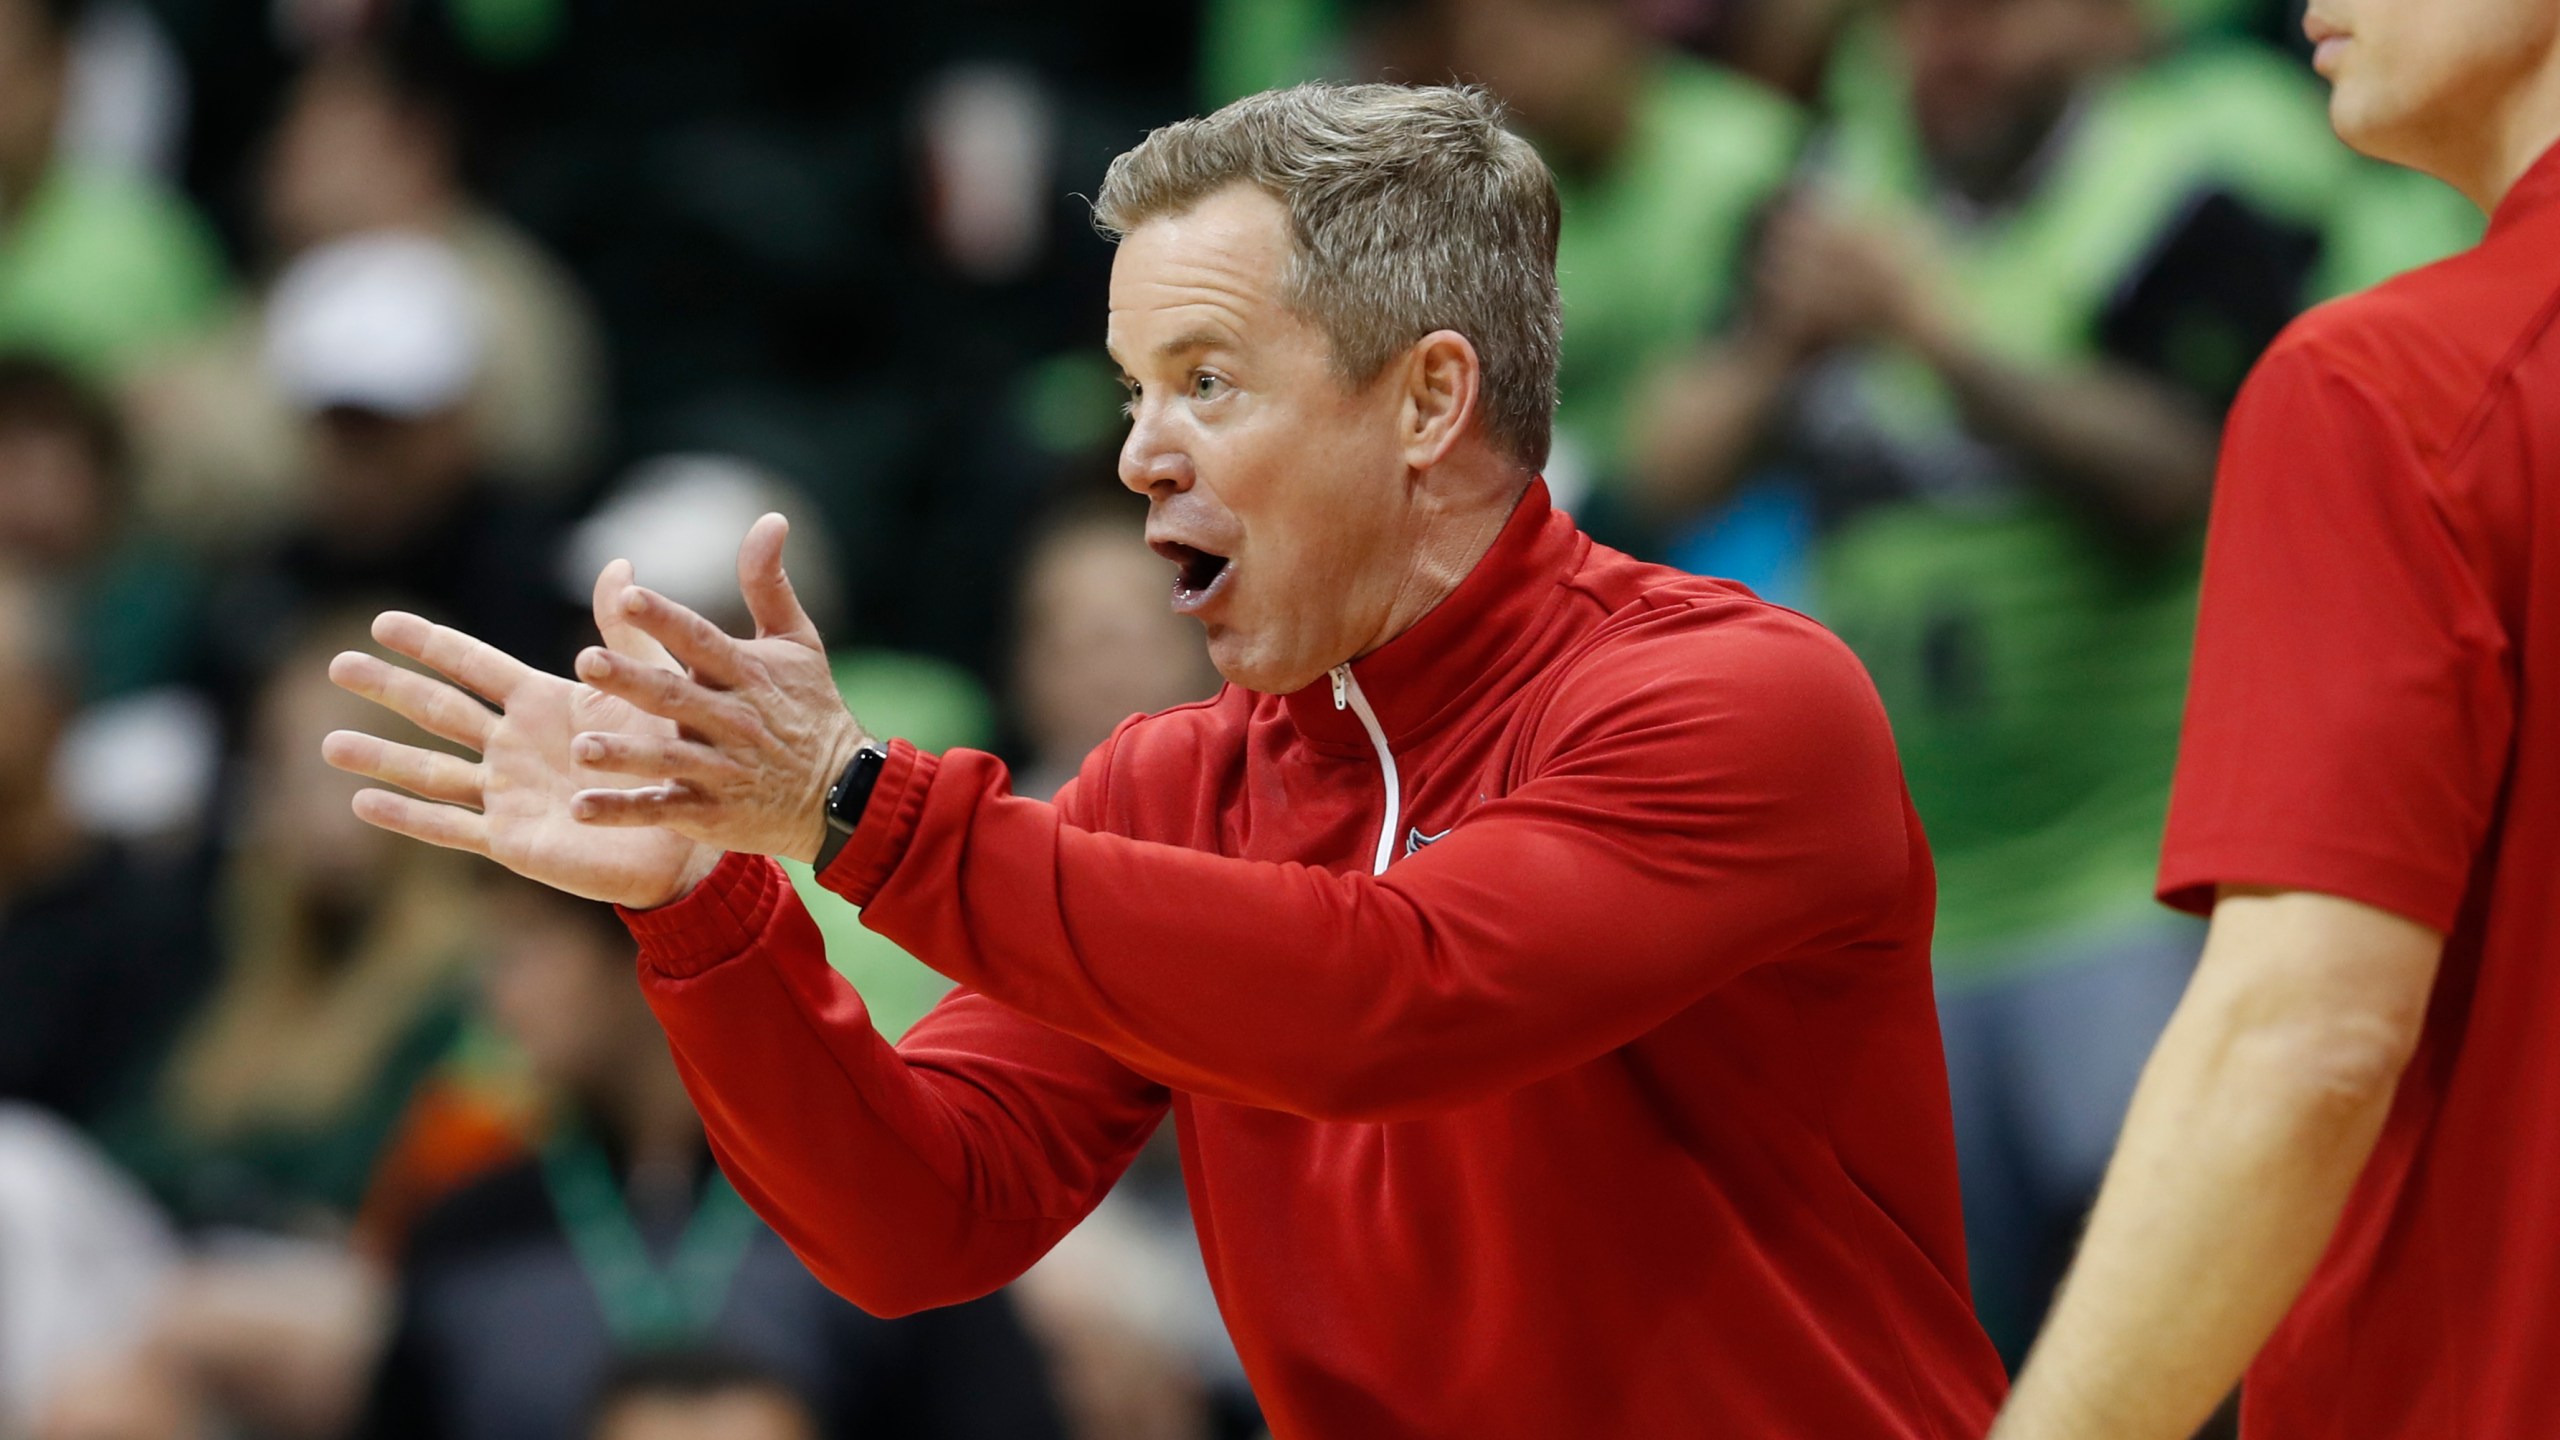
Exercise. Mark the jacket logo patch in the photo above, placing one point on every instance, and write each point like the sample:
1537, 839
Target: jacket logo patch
1414, 839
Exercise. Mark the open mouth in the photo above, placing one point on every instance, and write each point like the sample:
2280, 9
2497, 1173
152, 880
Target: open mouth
1198, 575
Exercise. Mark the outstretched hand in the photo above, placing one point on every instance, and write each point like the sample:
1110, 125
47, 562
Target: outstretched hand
751, 734
513, 803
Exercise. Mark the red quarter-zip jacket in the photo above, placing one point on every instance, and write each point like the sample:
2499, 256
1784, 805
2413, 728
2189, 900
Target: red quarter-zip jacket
1543, 1002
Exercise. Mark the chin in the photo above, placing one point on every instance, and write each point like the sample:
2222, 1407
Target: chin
2370, 127
1262, 680
1242, 664
2352, 120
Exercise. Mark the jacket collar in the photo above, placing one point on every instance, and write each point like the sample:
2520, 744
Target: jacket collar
1464, 647
2536, 191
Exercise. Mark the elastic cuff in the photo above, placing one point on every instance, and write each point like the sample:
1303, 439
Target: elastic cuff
725, 915
888, 825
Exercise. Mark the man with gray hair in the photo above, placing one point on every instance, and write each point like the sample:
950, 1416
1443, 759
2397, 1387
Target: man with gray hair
1530, 944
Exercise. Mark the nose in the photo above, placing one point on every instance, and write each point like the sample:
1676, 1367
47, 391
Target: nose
1152, 462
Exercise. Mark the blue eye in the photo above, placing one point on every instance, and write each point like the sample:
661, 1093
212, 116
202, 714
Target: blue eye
1129, 407
1201, 386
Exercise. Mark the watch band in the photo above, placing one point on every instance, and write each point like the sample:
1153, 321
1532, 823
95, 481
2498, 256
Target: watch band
848, 798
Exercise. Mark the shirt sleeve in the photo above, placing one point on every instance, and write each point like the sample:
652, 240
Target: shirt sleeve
2352, 697
905, 1177
1716, 794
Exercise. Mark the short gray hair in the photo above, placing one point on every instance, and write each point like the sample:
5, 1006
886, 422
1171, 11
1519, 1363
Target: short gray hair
1411, 210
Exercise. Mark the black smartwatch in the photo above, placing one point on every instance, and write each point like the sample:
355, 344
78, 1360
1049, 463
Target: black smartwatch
848, 798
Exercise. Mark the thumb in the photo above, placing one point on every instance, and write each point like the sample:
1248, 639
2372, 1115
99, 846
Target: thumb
769, 596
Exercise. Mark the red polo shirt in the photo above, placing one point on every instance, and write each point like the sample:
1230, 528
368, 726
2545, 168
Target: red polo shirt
1543, 1005
2376, 715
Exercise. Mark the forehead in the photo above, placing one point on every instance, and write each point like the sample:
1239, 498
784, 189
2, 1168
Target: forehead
1212, 273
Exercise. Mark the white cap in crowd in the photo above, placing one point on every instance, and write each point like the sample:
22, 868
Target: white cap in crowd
388, 322
678, 520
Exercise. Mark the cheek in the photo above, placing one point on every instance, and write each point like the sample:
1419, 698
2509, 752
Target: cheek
2425, 71
1316, 538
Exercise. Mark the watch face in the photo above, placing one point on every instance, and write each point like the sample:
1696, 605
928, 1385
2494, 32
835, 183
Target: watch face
852, 790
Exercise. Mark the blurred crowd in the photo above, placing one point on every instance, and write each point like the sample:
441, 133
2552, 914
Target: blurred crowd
1919, 315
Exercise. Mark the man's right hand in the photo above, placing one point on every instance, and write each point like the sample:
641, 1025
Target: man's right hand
512, 803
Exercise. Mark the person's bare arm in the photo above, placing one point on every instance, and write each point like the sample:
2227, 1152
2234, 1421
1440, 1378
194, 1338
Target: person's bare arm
2123, 445
2256, 1114
1701, 418
2130, 449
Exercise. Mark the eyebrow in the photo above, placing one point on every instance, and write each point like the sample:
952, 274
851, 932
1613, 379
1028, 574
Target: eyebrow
1188, 341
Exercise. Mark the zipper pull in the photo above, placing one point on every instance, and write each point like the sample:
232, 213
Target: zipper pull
1341, 687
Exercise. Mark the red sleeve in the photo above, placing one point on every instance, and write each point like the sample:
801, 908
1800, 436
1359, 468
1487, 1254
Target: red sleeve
2351, 703
1717, 792
922, 1175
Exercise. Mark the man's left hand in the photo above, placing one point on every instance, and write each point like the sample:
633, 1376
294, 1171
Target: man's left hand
762, 731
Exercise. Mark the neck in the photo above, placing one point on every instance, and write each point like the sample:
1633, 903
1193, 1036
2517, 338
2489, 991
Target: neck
2523, 133
1454, 538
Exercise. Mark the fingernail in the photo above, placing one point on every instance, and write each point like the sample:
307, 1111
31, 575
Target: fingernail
634, 600
591, 662
588, 747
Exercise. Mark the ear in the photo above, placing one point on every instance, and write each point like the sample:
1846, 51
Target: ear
1443, 386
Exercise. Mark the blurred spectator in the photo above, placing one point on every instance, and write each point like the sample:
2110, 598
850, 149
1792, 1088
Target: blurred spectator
138, 762
365, 146
98, 266
257, 1336
1123, 1306
1663, 163
1984, 364
698, 1395
83, 1256
65, 512
102, 947
345, 961
846, 243
376, 341
1096, 639
620, 1235
727, 185
1784, 44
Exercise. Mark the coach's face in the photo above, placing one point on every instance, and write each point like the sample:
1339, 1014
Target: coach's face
1279, 492
2423, 83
